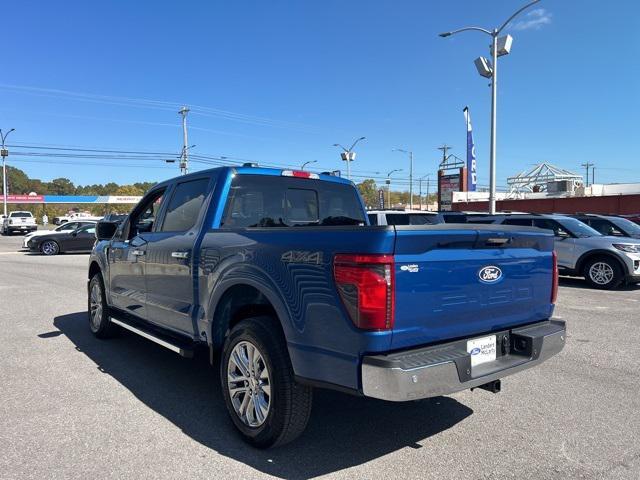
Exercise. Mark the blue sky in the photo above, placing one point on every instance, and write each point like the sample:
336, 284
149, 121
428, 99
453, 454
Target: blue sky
283, 81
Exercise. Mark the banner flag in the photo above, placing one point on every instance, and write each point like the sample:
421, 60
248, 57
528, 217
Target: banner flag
472, 177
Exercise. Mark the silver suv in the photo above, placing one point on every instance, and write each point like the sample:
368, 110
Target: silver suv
604, 261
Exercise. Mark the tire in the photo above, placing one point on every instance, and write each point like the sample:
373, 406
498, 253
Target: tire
97, 308
50, 247
603, 273
284, 405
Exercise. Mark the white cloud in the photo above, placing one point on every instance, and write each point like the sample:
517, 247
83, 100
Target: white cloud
535, 20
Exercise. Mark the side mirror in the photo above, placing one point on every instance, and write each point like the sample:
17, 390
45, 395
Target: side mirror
74, 233
561, 234
106, 230
144, 227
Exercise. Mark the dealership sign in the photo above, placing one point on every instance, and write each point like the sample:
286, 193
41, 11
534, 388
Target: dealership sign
71, 199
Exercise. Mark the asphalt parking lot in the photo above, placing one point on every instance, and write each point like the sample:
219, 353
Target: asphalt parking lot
72, 406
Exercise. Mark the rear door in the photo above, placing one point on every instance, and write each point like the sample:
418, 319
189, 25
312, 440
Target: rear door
170, 255
462, 280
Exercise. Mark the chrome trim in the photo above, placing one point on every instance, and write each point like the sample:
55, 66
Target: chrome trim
399, 385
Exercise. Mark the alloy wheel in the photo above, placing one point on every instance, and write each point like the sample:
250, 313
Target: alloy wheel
95, 306
249, 384
49, 248
601, 273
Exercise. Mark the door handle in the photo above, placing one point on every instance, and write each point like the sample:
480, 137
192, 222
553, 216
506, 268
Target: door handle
137, 253
182, 255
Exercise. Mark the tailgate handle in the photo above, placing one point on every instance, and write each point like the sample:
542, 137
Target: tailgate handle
497, 241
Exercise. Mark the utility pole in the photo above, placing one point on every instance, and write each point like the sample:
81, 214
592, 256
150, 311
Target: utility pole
587, 165
184, 159
445, 148
4, 153
593, 175
410, 153
420, 187
388, 182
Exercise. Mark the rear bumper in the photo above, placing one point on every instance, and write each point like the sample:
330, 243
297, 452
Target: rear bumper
444, 369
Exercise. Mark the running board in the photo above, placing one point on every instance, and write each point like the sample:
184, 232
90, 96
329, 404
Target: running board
161, 340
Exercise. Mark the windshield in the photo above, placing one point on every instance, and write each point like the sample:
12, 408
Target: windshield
577, 228
20, 215
626, 226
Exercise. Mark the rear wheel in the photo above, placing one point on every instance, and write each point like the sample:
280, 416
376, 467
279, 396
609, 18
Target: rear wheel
99, 321
265, 403
603, 273
50, 247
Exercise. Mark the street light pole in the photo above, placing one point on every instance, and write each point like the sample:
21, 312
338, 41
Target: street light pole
184, 161
410, 153
307, 163
389, 185
4, 153
491, 71
348, 155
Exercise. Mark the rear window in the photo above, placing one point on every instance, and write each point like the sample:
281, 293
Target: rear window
266, 201
20, 215
410, 219
524, 222
373, 218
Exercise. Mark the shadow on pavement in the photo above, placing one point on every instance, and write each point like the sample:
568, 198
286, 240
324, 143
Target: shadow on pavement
577, 282
344, 430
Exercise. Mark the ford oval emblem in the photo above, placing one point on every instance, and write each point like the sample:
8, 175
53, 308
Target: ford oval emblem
490, 274
475, 351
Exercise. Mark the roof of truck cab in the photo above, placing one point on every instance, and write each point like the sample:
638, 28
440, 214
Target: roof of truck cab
242, 170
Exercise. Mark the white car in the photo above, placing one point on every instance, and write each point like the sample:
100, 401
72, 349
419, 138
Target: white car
78, 216
65, 227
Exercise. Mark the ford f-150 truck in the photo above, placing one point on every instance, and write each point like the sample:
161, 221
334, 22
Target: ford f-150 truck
280, 275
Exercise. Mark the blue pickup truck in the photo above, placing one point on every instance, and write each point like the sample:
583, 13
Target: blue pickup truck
279, 274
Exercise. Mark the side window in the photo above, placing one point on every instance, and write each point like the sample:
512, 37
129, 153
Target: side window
558, 231
69, 226
144, 216
605, 227
185, 206
373, 218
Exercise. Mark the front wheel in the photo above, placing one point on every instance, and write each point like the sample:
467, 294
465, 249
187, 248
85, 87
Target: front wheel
603, 273
99, 321
50, 247
264, 401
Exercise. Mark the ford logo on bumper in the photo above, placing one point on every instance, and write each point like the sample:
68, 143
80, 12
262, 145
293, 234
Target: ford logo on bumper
490, 274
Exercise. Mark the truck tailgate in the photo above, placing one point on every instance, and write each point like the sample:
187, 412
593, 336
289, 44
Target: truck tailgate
465, 280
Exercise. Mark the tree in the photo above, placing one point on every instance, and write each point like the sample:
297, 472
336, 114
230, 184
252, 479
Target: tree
62, 186
129, 190
369, 192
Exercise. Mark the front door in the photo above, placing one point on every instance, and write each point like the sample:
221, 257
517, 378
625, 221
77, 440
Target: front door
564, 244
126, 254
169, 259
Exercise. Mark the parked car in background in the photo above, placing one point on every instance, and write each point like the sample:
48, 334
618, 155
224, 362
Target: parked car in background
78, 240
75, 216
403, 217
610, 225
64, 228
19, 221
279, 272
604, 261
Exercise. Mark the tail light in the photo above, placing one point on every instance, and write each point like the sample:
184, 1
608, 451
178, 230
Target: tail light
366, 286
554, 282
